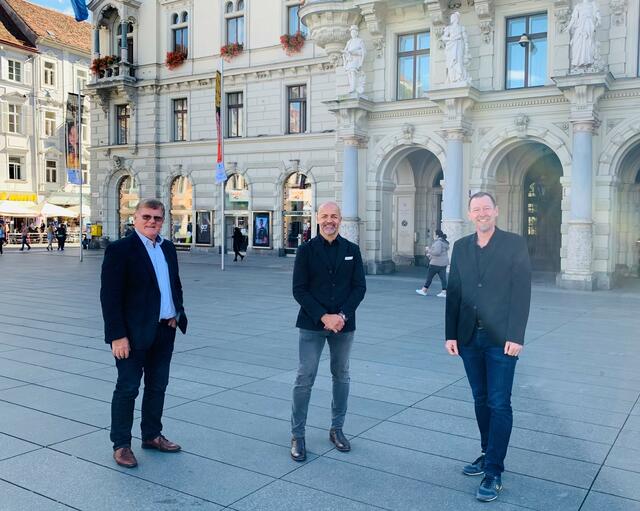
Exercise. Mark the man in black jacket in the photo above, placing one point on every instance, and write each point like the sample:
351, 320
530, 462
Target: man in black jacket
329, 284
141, 297
488, 299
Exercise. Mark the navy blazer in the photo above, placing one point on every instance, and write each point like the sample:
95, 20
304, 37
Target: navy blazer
500, 298
130, 295
320, 290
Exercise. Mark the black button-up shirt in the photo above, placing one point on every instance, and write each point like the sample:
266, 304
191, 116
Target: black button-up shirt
331, 251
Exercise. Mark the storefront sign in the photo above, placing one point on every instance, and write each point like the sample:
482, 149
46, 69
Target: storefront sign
238, 195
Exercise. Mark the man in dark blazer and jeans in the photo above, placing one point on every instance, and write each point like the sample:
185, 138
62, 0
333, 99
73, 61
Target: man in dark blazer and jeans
488, 299
329, 284
141, 297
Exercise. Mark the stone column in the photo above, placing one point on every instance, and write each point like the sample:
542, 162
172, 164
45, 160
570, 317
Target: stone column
350, 220
124, 26
452, 218
96, 41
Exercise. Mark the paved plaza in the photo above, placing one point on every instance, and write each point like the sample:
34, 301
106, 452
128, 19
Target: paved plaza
575, 443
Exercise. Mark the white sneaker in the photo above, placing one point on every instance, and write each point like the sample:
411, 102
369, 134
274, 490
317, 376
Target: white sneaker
421, 292
442, 294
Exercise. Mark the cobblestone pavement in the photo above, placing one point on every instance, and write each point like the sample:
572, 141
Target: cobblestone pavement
575, 443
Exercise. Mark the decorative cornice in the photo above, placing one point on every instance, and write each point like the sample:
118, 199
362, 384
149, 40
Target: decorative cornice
519, 103
399, 114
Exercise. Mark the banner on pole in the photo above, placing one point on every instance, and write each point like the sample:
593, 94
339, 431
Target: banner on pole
72, 141
218, 114
80, 10
221, 175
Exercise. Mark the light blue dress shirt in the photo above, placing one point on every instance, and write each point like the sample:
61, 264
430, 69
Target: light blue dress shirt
161, 268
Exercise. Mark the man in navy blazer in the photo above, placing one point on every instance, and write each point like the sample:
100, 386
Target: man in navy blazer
141, 297
488, 298
329, 284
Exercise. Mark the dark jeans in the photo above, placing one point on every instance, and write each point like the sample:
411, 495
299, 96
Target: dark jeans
154, 362
25, 241
490, 374
61, 243
311, 344
434, 270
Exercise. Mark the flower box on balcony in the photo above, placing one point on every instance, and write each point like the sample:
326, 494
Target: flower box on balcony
292, 43
228, 51
104, 65
175, 59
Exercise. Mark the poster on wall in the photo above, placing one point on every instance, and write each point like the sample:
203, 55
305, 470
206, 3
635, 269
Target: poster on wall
262, 229
204, 228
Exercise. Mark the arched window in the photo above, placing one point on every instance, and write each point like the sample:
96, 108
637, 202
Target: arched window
229, 8
180, 32
234, 22
181, 211
240, 5
637, 181
128, 198
174, 18
184, 17
297, 195
236, 195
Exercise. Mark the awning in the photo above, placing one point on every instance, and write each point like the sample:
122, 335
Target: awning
86, 210
19, 208
18, 196
68, 199
47, 209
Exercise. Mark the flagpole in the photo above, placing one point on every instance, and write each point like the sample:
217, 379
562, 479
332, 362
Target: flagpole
79, 130
223, 183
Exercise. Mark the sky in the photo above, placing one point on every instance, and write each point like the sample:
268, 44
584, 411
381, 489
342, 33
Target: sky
59, 5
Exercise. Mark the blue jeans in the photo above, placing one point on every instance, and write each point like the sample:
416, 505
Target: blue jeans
490, 374
154, 363
311, 344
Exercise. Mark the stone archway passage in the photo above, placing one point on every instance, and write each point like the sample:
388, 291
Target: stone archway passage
128, 198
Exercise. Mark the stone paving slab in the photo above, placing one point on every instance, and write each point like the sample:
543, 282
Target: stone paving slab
11, 446
16, 498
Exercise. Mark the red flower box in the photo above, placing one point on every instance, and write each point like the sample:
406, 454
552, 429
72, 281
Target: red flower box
228, 51
292, 43
175, 59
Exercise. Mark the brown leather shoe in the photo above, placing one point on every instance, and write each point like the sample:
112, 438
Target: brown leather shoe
161, 444
125, 458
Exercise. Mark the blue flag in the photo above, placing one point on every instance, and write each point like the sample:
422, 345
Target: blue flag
73, 177
80, 10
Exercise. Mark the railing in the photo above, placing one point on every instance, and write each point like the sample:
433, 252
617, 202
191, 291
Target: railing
39, 238
118, 71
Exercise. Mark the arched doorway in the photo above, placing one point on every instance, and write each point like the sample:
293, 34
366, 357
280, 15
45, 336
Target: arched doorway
529, 195
296, 209
128, 198
236, 207
181, 211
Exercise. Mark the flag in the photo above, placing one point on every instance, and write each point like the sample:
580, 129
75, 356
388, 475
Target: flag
218, 113
73, 177
80, 10
71, 124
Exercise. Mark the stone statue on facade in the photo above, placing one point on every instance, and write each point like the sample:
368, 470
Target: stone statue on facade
353, 60
584, 21
456, 51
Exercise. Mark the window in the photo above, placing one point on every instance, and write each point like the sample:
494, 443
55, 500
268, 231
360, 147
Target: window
49, 123
413, 65
81, 80
15, 70
294, 24
85, 174
15, 168
180, 32
50, 74
297, 102
85, 127
51, 171
235, 22
180, 119
234, 114
15, 119
527, 62
118, 41
123, 113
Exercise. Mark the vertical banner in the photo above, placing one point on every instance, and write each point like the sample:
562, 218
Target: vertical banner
220, 173
72, 145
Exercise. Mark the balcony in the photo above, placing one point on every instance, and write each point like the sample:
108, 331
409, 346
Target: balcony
111, 70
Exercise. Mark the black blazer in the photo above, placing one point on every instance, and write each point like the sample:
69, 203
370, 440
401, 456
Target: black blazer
130, 295
319, 290
500, 299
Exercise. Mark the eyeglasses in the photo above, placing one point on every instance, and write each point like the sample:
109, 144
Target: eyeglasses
146, 218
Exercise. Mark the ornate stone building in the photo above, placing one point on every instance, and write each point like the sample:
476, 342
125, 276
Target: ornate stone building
535, 101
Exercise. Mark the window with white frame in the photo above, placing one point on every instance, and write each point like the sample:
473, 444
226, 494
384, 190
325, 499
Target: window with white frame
526, 51
51, 171
85, 127
15, 118
234, 21
123, 114
85, 173
49, 123
294, 23
413, 65
81, 79
180, 32
15, 70
180, 111
15, 168
49, 73
297, 109
234, 114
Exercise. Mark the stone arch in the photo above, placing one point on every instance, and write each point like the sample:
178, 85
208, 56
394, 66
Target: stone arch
109, 192
620, 142
105, 16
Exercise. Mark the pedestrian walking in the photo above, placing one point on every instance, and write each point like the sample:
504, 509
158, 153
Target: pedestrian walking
438, 254
238, 244
487, 310
24, 232
3, 236
141, 271
50, 235
61, 236
329, 284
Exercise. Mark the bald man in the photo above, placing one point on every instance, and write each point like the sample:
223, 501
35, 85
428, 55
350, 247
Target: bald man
329, 284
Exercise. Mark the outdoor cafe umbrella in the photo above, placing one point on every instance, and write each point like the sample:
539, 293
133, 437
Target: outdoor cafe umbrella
19, 208
49, 210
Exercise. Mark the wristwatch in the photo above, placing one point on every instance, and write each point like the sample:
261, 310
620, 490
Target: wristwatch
343, 316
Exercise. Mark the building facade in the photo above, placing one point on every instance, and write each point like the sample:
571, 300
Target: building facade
400, 140
44, 55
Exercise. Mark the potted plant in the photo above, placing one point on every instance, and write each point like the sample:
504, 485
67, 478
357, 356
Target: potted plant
175, 58
98, 66
292, 43
228, 51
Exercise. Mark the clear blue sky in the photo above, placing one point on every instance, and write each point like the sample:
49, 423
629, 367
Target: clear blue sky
58, 5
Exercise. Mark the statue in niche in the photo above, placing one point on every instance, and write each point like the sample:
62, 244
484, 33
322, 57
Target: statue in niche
456, 51
584, 21
353, 60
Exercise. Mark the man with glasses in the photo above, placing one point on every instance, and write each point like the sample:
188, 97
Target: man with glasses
141, 297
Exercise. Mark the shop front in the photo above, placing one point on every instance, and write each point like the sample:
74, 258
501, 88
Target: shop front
236, 207
296, 212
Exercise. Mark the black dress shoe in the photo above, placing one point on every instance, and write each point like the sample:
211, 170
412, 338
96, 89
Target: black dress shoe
339, 440
298, 449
